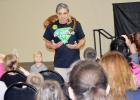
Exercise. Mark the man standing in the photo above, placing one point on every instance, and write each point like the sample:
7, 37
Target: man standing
66, 37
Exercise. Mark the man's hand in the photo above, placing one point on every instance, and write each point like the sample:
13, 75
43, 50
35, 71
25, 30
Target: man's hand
76, 45
73, 46
56, 45
53, 45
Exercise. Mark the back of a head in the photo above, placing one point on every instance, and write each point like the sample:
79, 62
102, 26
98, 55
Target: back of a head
52, 91
119, 45
36, 80
119, 75
90, 53
10, 62
88, 80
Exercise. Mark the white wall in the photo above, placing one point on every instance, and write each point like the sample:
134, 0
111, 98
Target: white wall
21, 21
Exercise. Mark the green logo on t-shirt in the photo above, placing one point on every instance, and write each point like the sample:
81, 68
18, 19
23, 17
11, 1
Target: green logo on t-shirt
54, 27
64, 34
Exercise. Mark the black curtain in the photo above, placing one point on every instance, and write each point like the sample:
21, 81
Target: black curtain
126, 18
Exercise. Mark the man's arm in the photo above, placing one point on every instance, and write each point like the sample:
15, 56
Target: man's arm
81, 43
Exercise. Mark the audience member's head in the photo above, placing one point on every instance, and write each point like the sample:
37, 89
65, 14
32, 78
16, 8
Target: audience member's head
90, 53
51, 91
88, 81
120, 77
35, 79
137, 40
37, 56
119, 45
11, 62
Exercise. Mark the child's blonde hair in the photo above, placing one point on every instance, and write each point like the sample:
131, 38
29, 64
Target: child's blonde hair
37, 53
35, 79
10, 61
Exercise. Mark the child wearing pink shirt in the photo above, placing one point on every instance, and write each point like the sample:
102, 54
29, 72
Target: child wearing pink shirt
2, 68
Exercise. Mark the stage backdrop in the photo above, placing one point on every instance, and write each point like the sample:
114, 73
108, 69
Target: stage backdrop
126, 18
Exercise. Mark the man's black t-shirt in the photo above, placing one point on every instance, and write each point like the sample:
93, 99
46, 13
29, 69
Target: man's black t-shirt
64, 56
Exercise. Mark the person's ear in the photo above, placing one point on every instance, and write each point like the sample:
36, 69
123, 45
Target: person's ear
71, 93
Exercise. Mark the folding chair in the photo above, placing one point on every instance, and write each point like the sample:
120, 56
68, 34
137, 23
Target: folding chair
13, 76
20, 91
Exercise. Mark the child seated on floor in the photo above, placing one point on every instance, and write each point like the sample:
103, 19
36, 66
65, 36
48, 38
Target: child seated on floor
38, 66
